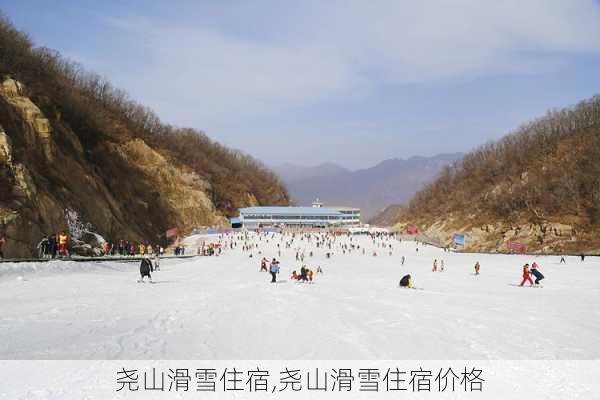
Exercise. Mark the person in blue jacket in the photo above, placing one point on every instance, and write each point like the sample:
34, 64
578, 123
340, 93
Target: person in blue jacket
536, 272
274, 270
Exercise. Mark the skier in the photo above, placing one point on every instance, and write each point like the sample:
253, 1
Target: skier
274, 271
434, 265
526, 275
319, 270
145, 268
402, 261
441, 265
263, 265
156, 262
406, 281
538, 275
294, 276
477, 266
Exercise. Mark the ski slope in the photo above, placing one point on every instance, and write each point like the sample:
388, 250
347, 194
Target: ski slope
224, 308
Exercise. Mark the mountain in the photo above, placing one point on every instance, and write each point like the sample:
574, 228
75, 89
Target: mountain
76, 152
292, 172
371, 189
538, 188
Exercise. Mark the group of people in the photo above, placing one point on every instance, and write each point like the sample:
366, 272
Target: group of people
272, 267
54, 245
306, 274
527, 272
127, 248
435, 265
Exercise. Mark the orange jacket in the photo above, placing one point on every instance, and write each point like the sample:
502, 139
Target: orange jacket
62, 239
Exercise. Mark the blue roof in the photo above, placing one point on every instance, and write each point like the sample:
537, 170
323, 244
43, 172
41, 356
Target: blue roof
290, 211
235, 220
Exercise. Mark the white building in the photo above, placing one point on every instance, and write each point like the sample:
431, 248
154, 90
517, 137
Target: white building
315, 216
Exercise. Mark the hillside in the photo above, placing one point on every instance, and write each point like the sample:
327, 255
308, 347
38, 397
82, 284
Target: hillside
372, 189
71, 144
538, 187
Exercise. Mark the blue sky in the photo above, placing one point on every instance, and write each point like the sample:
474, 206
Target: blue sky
352, 82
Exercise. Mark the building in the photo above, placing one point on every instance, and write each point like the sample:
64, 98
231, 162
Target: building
315, 216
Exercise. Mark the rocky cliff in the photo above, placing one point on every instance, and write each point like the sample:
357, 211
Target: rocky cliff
70, 144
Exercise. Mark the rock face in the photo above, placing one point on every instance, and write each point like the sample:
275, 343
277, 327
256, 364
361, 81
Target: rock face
498, 236
124, 188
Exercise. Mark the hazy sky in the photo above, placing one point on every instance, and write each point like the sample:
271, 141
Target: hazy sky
352, 82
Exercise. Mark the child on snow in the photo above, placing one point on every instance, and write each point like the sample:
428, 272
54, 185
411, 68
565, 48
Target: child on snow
477, 267
526, 276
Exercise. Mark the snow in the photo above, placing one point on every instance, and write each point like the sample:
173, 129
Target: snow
224, 308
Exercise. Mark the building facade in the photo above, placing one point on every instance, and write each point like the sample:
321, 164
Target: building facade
316, 216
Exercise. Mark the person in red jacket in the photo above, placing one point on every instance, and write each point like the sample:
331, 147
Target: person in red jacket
526, 275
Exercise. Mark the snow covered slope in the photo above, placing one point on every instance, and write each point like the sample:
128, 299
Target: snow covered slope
224, 308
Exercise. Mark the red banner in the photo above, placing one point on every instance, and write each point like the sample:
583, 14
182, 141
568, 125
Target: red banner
518, 247
411, 229
171, 233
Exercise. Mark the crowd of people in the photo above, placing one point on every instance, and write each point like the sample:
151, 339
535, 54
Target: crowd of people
54, 245
304, 245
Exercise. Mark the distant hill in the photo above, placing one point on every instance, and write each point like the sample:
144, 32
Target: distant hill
537, 187
372, 189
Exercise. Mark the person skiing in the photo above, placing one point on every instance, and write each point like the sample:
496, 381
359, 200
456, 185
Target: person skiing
156, 262
319, 269
435, 265
274, 271
477, 267
294, 276
526, 275
145, 268
535, 272
402, 261
263, 265
406, 281
441, 265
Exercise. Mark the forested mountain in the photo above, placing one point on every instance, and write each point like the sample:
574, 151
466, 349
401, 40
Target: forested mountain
538, 186
70, 141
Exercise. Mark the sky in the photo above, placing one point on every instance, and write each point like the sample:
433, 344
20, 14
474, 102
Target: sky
350, 82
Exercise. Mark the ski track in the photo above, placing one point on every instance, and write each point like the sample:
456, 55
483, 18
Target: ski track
223, 308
